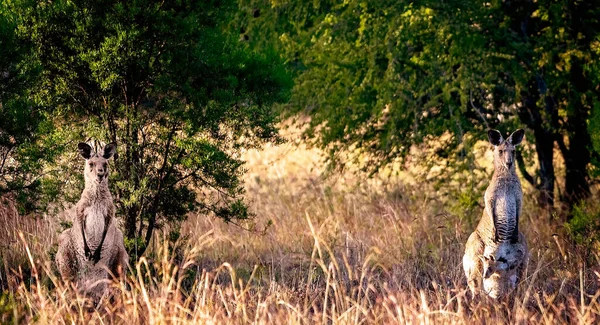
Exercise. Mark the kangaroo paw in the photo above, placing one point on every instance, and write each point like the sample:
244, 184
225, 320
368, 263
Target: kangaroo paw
96, 256
88, 252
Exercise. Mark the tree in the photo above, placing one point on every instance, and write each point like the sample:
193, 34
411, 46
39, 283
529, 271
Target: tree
554, 43
171, 86
383, 76
20, 118
572, 31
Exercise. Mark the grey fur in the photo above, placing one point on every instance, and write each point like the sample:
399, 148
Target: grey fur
92, 250
497, 233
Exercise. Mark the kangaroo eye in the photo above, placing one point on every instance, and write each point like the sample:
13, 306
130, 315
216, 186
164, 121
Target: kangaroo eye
104, 165
501, 151
91, 164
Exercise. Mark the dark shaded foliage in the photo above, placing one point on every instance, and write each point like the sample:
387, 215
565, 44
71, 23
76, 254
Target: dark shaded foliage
165, 80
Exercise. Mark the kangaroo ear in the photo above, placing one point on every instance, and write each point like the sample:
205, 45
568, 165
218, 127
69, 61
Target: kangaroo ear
516, 137
84, 150
109, 150
495, 137
487, 272
519, 254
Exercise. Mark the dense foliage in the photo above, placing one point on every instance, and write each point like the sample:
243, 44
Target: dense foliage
385, 75
19, 116
182, 86
166, 81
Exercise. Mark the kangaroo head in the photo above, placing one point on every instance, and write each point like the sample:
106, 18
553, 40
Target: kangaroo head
493, 265
504, 150
96, 163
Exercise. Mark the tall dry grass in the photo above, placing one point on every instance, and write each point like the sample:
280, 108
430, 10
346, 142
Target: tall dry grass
342, 250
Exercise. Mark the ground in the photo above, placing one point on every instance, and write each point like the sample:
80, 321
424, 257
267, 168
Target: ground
318, 250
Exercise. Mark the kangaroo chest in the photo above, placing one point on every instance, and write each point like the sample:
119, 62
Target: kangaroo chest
506, 208
95, 219
504, 200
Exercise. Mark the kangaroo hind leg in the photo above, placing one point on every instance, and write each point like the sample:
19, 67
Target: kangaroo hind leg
66, 257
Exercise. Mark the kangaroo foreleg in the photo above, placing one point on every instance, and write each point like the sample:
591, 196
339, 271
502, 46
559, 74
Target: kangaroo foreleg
490, 207
80, 216
495, 221
514, 238
86, 248
515, 234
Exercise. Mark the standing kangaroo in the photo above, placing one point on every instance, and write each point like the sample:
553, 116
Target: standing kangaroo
496, 253
93, 247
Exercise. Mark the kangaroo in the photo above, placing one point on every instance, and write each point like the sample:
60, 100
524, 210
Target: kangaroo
503, 267
497, 233
93, 247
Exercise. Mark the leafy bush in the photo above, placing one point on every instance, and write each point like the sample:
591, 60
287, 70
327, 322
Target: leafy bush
584, 224
166, 81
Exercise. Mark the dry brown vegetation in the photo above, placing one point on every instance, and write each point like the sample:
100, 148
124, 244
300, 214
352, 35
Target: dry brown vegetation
318, 251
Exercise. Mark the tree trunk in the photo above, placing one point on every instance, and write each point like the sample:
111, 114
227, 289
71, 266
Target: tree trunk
582, 24
130, 222
544, 136
577, 156
577, 159
544, 146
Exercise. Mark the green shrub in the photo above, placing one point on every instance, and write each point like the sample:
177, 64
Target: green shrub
584, 225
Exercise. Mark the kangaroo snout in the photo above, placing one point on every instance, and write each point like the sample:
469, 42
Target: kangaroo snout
101, 173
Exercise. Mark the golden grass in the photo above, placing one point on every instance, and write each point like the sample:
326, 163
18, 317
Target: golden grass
341, 251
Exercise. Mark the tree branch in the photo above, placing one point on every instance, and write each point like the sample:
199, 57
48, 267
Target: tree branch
561, 145
31, 184
523, 170
187, 176
487, 126
154, 208
10, 148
